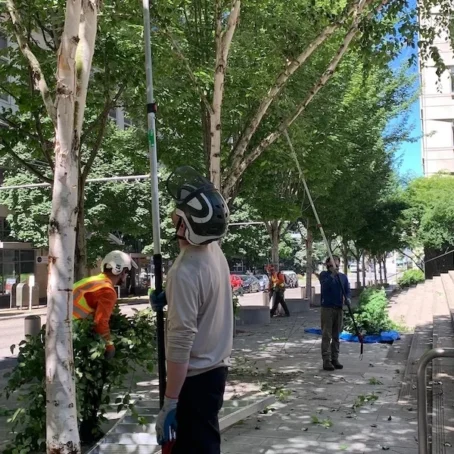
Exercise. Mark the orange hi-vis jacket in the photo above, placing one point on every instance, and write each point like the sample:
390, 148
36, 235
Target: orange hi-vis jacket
95, 296
277, 280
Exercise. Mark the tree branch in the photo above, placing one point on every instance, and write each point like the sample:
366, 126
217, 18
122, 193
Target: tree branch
108, 105
232, 22
24, 163
45, 31
43, 141
179, 54
412, 259
240, 163
103, 117
38, 75
290, 69
223, 41
84, 57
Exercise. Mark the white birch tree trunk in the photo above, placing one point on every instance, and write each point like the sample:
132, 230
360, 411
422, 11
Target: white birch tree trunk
223, 43
73, 70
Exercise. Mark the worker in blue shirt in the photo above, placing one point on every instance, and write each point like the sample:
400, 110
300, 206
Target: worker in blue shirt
332, 301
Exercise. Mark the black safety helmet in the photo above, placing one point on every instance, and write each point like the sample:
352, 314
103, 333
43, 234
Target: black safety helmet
199, 204
335, 257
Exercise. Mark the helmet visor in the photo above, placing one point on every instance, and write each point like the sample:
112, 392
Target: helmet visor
184, 181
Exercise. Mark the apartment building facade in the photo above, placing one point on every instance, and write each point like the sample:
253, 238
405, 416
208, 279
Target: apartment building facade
437, 108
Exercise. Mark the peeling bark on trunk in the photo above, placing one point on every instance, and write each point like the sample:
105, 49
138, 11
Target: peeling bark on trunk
309, 263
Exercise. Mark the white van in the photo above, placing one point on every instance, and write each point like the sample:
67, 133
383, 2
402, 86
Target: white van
291, 279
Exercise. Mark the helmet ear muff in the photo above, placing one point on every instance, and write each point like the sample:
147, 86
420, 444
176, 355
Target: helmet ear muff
114, 268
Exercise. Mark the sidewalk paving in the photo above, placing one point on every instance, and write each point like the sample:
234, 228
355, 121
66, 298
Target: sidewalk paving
313, 413
316, 414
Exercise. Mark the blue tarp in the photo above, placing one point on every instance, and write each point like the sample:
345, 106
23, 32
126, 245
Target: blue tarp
384, 337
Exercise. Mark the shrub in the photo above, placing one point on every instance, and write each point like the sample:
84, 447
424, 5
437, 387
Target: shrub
236, 305
371, 314
96, 378
411, 277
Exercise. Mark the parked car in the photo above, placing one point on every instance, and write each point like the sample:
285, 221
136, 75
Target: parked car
264, 281
291, 279
250, 283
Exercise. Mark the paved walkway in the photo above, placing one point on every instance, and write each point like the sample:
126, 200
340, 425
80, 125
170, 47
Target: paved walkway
314, 411
354, 410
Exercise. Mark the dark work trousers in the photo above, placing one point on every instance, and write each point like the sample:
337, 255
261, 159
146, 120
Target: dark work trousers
199, 403
279, 299
332, 323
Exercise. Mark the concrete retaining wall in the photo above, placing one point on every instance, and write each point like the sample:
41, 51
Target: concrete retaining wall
298, 306
253, 315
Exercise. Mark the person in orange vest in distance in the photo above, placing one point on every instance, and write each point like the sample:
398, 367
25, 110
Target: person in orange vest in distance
277, 287
96, 295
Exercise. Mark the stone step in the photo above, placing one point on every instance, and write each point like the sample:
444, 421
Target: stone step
448, 287
129, 437
443, 368
421, 342
402, 306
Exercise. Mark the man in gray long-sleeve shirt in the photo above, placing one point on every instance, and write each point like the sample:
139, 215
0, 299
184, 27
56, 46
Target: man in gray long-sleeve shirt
199, 318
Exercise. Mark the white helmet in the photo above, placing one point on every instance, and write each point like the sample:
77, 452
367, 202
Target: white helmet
116, 261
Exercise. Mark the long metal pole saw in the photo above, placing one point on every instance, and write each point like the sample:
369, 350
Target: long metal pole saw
322, 231
157, 257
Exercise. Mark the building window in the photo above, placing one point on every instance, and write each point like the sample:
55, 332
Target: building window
15, 266
113, 115
5, 230
451, 71
127, 122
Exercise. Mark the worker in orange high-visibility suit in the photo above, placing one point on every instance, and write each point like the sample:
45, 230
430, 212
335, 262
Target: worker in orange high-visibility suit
96, 296
277, 286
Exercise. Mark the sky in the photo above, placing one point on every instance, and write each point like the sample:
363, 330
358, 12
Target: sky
410, 152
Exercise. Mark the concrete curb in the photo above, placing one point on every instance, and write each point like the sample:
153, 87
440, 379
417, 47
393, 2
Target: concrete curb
225, 422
